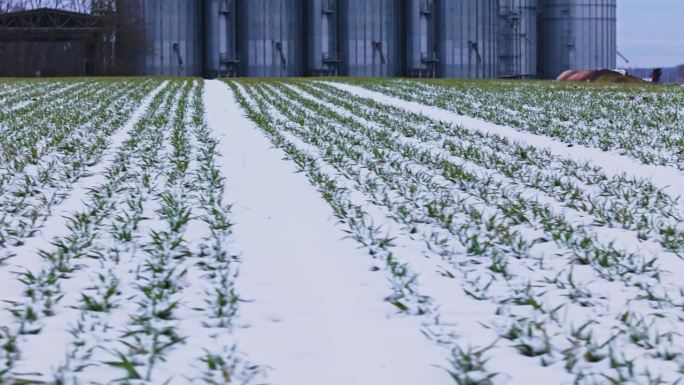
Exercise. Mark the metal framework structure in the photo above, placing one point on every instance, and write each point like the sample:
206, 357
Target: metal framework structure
518, 38
50, 24
52, 42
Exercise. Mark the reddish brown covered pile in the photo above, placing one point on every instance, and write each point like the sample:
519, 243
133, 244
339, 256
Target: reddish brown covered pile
596, 76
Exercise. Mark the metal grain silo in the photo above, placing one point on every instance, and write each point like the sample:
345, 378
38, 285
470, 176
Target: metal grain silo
421, 43
371, 37
220, 38
323, 38
467, 38
271, 38
518, 43
577, 34
171, 31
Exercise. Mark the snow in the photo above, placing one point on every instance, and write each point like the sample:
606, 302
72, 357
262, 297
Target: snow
27, 255
54, 337
315, 311
315, 306
667, 178
38, 96
457, 319
463, 316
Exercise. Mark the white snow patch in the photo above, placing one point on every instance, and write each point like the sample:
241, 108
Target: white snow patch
27, 258
669, 179
316, 313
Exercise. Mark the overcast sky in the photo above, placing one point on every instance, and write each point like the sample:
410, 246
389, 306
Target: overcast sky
651, 32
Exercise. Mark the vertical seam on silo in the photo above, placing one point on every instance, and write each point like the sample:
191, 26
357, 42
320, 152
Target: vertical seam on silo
462, 21
282, 36
477, 15
159, 38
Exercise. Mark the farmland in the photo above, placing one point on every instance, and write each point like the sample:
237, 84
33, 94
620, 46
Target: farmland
341, 232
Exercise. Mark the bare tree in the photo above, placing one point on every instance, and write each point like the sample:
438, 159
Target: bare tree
83, 6
12, 5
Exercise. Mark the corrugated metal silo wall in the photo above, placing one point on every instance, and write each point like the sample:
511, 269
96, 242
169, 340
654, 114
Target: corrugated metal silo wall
467, 36
272, 38
172, 31
518, 37
421, 48
577, 34
323, 37
220, 38
371, 37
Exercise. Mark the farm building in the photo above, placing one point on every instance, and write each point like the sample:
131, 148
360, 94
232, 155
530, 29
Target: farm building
670, 75
380, 38
50, 42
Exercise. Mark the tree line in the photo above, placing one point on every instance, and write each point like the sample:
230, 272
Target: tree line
84, 6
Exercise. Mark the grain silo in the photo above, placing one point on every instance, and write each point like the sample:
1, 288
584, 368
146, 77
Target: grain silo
371, 41
220, 38
518, 38
160, 37
380, 38
271, 38
421, 43
467, 38
577, 34
323, 38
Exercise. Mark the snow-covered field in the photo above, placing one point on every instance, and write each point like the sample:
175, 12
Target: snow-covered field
340, 232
